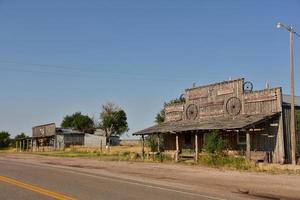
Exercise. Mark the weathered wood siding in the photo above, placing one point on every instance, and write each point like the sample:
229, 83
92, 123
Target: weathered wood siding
264, 101
170, 141
210, 101
44, 130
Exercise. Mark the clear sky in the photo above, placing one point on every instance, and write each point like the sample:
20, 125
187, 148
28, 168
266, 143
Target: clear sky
62, 56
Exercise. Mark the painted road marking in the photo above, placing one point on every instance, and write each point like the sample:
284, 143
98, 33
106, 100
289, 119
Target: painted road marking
120, 180
37, 189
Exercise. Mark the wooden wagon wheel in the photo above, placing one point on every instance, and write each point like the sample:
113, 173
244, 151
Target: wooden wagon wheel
233, 106
191, 111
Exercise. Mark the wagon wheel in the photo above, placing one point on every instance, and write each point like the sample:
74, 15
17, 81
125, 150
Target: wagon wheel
191, 111
248, 86
233, 106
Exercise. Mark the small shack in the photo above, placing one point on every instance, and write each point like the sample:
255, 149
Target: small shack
50, 137
254, 123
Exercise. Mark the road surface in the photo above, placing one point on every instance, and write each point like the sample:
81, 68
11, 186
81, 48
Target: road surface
26, 179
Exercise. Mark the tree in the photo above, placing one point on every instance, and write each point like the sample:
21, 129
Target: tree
78, 122
17, 137
113, 120
298, 120
160, 117
4, 139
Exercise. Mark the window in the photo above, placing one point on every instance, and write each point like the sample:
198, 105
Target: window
241, 138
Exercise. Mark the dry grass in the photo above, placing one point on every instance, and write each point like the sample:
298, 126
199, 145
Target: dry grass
112, 150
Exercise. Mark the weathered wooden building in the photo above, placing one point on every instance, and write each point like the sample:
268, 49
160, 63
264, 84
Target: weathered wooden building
48, 136
253, 122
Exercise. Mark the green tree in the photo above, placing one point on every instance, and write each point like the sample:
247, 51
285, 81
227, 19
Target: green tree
78, 122
17, 137
4, 139
160, 117
113, 120
213, 142
298, 120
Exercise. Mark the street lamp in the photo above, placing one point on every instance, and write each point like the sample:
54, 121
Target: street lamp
293, 127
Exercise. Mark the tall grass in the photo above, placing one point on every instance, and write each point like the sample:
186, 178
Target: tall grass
221, 161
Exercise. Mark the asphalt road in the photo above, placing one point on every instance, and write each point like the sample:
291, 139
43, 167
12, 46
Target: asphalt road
29, 181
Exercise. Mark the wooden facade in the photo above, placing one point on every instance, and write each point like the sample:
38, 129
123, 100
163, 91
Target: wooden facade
233, 108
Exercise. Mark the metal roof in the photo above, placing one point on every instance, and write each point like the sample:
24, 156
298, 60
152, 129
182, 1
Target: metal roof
241, 122
287, 100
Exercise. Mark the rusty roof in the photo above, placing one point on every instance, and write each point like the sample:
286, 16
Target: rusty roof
240, 122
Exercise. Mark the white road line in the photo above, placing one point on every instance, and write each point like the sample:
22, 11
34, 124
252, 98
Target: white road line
64, 168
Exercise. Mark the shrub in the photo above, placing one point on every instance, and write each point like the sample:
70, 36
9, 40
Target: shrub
213, 143
151, 142
232, 162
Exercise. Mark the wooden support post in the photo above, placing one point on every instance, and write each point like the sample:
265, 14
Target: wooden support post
27, 145
143, 148
196, 147
158, 144
17, 145
248, 145
177, 149
31, 144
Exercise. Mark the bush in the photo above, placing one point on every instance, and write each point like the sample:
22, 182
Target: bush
4, 139
232, 162
213, 143
151, 142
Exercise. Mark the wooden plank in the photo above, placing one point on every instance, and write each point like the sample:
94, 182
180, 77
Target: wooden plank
177, 149
196, 147
248, 145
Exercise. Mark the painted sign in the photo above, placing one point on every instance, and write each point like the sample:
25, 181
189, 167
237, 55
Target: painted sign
174, 108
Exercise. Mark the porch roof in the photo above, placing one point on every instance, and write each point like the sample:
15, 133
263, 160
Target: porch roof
221, 123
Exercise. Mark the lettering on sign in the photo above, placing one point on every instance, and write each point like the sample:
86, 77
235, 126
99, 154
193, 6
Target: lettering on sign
212, 103
174, 117
225, 91
252, 99
174, 108
197, 95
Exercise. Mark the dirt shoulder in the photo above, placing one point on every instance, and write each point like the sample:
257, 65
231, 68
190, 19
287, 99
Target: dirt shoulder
278, 186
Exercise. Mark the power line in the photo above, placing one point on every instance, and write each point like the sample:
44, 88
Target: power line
88, 74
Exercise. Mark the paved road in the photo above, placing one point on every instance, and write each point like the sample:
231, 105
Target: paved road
21, 180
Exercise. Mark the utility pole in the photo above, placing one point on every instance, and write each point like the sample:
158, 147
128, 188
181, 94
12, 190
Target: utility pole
293, 124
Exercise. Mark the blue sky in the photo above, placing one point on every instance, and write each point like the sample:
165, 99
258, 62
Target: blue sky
62, 56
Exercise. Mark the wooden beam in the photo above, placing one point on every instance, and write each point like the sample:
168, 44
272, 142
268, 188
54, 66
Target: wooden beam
196, 147
158, 143
248, 145
143, 148
177, 148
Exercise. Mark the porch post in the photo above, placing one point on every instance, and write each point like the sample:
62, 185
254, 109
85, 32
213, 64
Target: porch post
196, 147
27, 144
248, 145
177, 148
143, 150
158, 143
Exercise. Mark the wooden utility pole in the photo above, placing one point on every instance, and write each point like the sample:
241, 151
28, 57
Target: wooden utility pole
293, 124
